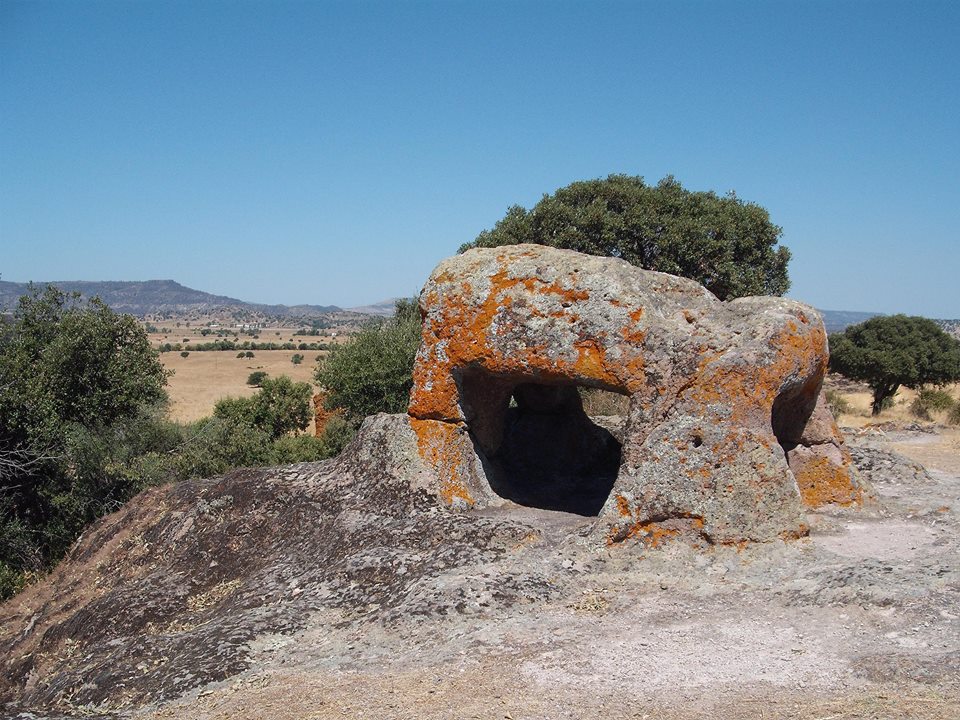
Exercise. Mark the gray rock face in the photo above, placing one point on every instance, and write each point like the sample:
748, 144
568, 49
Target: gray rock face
721, 395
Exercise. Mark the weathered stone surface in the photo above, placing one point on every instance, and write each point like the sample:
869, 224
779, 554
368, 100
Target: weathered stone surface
721, 395
821, 462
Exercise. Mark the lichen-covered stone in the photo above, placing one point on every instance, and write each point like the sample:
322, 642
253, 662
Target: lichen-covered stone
721, 395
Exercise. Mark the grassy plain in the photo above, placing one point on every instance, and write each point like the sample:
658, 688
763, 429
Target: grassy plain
202, 378
860, 399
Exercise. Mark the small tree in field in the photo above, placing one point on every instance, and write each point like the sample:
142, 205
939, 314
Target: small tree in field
281, 406
255, 378
887, 352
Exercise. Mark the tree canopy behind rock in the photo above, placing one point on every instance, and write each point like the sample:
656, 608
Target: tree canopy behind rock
726, 244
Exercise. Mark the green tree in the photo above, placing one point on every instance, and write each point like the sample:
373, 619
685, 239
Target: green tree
887, 352
280, 406
373, 372
255, 378
76, 381
726, 244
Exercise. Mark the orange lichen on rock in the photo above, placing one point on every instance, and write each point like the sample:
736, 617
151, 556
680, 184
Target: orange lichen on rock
438, 446
722, 394
653, 534
824, 482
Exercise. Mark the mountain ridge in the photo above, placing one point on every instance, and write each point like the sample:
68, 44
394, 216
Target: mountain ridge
154, 297
151, 297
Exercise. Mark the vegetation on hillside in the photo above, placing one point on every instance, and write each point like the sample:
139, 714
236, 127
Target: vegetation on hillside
231, 345
727, 245
83, 427
887, 352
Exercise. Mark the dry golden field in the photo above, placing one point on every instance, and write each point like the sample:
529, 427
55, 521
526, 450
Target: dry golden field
202, 378
860, 399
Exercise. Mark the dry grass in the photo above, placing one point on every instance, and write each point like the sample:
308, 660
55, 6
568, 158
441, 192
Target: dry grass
860, 399
202, 378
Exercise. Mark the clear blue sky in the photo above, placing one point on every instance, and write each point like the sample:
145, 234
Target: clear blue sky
334, 152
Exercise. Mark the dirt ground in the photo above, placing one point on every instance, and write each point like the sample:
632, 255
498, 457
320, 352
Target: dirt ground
202, 378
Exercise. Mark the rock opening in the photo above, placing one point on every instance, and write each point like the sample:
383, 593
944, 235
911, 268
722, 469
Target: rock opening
537, 445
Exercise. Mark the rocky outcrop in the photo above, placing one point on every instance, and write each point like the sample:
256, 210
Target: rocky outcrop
171, 592
724, 437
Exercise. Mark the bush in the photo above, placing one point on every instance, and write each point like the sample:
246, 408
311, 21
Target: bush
373, 371
954, 416
337, 435
296, 359
837, 404
185, 353
929, 401
298, 448
281, 406
240, 355
255, 378
78, 385
248, 354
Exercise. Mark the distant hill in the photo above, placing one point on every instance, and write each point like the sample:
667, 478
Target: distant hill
839, 320
384, 308
155, 297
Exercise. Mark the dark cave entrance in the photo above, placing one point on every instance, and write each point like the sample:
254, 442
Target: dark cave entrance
538, 446
789, 416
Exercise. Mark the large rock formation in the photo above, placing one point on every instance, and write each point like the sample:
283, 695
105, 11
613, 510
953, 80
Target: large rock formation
725, 435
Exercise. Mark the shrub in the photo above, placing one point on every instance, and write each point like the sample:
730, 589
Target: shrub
248, 354
337, 435
185, 353
281, 406
255, 378
837, 404
298, 448
373, 371
930, 400
78, 383
296, 359
954, 416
